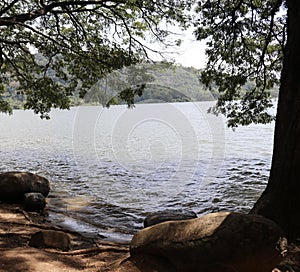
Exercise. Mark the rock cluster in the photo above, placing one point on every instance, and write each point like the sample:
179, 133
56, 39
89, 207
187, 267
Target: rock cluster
24, 187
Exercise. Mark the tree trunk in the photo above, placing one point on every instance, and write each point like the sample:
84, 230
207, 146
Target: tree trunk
281, 199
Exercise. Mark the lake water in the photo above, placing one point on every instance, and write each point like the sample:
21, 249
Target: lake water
109, 167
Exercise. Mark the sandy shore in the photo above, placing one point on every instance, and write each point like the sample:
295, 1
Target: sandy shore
16, 229
88, 255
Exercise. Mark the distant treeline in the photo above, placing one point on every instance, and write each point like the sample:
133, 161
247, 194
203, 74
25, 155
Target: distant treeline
158, 82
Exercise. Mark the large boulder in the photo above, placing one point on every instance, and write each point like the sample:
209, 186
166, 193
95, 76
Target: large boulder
13, 185
50, 239
168, 215
213, 243
34, 202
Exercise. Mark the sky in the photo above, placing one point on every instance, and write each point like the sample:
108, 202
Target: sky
192, 52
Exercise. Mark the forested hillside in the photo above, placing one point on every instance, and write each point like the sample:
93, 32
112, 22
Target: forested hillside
151, 83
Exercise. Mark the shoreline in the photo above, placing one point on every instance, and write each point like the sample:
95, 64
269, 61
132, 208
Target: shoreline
58, 213
86, 254
69, 223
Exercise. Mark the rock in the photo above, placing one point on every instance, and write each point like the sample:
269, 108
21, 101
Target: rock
212, 243
168, 215
13, 185
34, 202
50, 239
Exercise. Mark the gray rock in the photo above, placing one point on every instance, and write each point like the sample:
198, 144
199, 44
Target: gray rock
13, 185
50, 239
168, 215
34, 202
215, 242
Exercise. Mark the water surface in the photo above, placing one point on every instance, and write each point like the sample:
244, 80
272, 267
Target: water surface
109, 167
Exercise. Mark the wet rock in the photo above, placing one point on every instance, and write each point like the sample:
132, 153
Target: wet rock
13, 185
168, 215
50, 239
212, 243
34, 202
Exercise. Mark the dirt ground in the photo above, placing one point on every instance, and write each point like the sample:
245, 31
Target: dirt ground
17, 227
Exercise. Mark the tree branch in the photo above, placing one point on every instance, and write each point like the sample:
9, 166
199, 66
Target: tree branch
29, 16
8, 7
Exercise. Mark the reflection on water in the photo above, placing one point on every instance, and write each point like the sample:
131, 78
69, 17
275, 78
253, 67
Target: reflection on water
109, 167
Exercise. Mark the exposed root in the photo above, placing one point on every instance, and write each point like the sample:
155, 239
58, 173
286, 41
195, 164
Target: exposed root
89, 250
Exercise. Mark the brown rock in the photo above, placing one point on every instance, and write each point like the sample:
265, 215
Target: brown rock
13, 185
168, 215
50, 239
34, 202
215, 242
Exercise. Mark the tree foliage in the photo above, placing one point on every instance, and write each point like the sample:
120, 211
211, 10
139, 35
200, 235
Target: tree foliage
81, 42
245, 40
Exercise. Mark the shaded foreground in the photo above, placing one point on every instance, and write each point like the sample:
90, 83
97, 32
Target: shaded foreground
17, 227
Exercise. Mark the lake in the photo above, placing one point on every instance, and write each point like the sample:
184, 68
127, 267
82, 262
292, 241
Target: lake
109, 167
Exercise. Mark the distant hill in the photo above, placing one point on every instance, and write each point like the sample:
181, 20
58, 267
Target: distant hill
162, 82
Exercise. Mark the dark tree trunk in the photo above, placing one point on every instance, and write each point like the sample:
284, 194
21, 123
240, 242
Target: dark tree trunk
281, 199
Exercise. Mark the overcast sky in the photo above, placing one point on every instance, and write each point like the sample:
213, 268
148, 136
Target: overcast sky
192, 52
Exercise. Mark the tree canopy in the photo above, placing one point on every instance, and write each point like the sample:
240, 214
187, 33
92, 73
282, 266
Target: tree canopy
245, 42
260, 41
81, 41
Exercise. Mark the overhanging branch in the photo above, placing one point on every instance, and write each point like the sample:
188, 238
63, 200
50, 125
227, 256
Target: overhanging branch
29, 16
